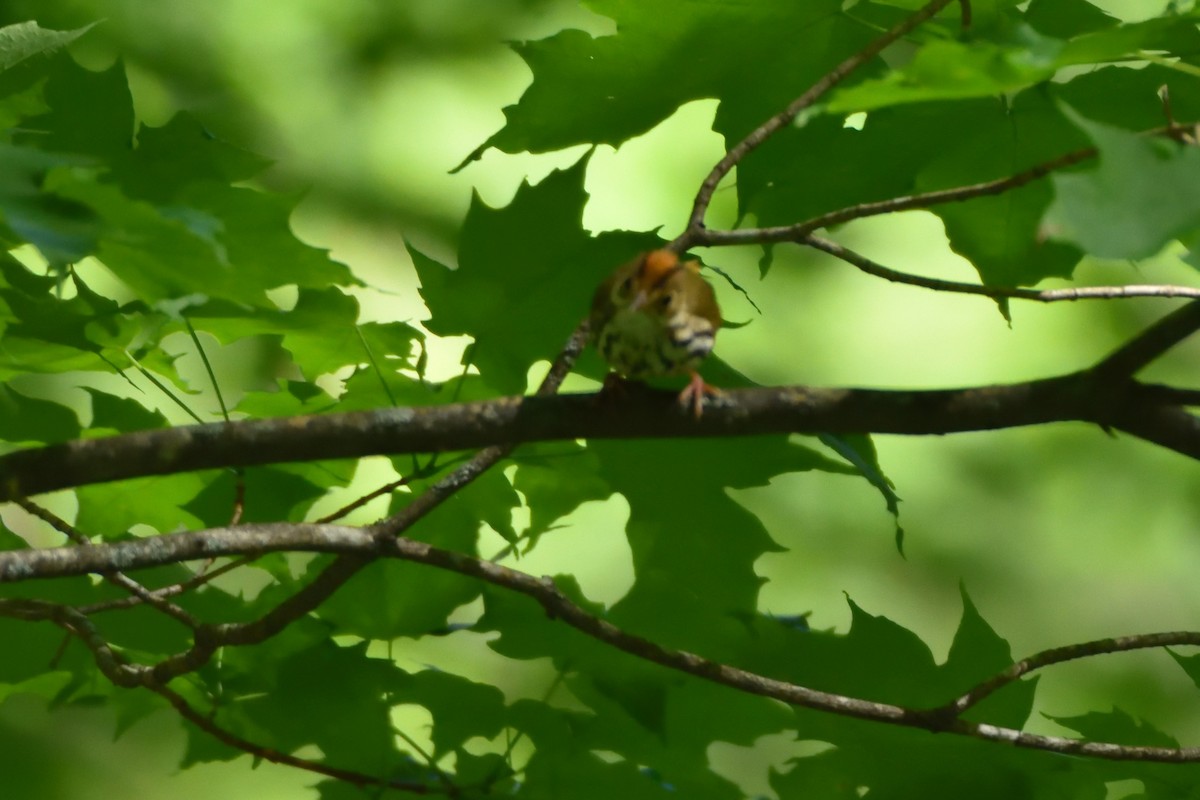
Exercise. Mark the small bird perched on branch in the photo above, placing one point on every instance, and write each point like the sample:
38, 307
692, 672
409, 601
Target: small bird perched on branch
656, 316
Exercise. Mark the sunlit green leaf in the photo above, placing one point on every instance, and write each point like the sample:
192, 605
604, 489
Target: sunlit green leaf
1142, 193
27, 39
955, 70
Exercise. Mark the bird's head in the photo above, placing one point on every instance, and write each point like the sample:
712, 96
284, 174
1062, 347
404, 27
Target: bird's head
651, 284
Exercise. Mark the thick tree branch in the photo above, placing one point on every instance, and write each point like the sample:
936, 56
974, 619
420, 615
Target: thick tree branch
241, 540
1170, 427
334, 576
637, 413
1130, 358
117, 578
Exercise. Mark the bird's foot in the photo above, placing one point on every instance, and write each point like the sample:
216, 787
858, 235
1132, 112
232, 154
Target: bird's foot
692, 396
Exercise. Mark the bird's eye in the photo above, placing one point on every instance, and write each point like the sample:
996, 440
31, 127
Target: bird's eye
664, 302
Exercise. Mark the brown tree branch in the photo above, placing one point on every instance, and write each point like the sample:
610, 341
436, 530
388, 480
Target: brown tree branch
116, 578
1121, 404
164, 592
361, 544
359, 779
1088, 396
800, 231
1162, 425
1058, 655
1129, 359
118, 670
333, 577
110, 663
756, 137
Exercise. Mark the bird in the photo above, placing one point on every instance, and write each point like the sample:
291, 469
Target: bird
656, 316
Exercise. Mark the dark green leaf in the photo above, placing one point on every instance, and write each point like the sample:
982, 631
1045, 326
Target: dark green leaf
29, 419
461, 708
119, 414
64, 229
608, 89
1190, 664
351, 726
169, 160
394, 598
1116, 726
525, 277
90, 113
268, 494
555, 480
1064, 19
111, 509
976, 654
693, 547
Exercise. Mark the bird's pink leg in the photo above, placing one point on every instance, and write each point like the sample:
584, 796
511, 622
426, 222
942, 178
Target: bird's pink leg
693, 394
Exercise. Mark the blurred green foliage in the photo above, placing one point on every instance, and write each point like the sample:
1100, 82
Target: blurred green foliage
155, 190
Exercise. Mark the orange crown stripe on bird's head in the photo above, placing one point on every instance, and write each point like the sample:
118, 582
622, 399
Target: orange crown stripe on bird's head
657, 265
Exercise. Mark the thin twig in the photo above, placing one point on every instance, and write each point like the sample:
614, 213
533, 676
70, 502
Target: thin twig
998, 292
121, 672
419, 473
387, 389
115, 577
208, 368
505, 768
486, 458
162, 387
111, 664
205, 723
239, 475
764, 131
1058, 655
359, 502
166, 591
239, 497
429, 762
334, 576
799, 231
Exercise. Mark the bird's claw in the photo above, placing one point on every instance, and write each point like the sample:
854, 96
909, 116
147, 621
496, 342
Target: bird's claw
692, 396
